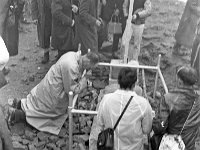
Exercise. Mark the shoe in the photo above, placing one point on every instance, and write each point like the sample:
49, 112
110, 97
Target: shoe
6, 71
9, 114
45, 58
13, 102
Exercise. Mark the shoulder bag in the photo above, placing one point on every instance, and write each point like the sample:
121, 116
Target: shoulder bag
106, 137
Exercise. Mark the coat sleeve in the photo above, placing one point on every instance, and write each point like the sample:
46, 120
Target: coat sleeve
160, 122
146, 11
195, 6
34, 9
56, 8
84, 12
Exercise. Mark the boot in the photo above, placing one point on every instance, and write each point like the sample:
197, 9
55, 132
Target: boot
45, 58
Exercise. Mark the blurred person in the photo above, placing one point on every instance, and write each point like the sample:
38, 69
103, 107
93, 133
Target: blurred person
62, 26
175, 107
9, 26
118, 15
195, 56
5, 135
137, 118
185, 33
106, 10
41, 14
86, 26
136, 11
45, 107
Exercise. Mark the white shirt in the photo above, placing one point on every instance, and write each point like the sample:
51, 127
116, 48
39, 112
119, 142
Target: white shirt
136, 121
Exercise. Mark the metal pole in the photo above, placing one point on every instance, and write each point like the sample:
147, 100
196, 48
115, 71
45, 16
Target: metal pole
70, 119
89, 112
163, 81
128, 65
156, 80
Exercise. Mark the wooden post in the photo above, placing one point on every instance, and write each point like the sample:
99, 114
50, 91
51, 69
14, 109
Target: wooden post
156, 79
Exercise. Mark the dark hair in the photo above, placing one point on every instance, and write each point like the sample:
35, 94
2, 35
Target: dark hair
127, 77
93, 57
188, 75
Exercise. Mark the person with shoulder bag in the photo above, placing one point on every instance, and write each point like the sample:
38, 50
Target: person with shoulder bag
178, 118
119, 111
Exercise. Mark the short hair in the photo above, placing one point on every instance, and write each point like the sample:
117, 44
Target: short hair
188, 75
127, 77
93, 57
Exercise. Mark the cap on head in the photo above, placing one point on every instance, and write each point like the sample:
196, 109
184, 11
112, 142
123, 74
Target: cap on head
188, 75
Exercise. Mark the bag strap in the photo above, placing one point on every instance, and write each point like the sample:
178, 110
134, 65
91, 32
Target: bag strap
187, 117
122, 113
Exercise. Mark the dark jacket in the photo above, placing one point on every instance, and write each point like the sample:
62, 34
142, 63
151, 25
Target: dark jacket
140, 7
86, 29
41, 11
174, 110
10, 32
62, 32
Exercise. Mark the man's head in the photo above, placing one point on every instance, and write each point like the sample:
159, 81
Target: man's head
89, 60
127, 78
187, 75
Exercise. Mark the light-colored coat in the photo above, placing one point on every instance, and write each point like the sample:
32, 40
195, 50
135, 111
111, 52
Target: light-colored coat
46, 105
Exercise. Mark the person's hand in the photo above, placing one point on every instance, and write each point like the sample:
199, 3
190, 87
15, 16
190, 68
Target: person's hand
74, 8
134, 17
83, 83
98, 23
35, 21
116, 13
73, 22
104, 2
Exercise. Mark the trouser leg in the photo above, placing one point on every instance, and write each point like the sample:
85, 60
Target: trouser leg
134, 47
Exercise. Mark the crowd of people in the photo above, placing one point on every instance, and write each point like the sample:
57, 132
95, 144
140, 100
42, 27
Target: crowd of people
63, 25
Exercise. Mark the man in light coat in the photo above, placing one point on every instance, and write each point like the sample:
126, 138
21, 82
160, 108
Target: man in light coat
45, 108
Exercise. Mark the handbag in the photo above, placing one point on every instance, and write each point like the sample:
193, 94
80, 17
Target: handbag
174, 141
106, 137
115, 27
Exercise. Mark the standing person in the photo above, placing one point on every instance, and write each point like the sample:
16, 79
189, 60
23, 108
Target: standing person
62, 26
136, 11
45, 108
176, 106
86, 26
137, 119
105, 13
10, 24
41, 14
185, 33
119, 15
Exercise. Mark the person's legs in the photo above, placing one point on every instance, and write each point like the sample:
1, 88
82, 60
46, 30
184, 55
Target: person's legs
47, 32
115, 44
134, 47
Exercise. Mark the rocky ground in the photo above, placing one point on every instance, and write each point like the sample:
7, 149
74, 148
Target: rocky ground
27, 71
